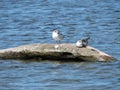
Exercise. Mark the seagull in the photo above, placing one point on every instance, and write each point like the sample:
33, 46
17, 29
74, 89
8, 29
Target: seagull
82, 43
57, 36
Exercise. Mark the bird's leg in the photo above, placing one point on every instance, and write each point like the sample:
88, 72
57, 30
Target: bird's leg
57, 45
59, 42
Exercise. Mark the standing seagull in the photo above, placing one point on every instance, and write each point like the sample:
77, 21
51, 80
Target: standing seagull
82, 43
57, 36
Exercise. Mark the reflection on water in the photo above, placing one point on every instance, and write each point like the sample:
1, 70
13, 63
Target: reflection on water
29, 21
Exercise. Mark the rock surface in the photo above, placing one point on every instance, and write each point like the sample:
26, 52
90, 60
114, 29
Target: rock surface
62, 52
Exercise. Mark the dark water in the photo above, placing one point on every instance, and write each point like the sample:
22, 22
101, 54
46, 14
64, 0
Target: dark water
31, 21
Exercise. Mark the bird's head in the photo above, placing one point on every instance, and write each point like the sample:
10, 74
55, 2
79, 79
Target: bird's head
56, 31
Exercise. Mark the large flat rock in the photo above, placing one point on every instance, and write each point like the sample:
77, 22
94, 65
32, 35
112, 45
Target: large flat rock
63, 52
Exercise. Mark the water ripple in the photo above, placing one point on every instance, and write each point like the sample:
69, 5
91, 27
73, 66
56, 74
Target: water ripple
29, 21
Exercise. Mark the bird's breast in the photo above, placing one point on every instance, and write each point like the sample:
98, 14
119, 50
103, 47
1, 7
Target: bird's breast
79, 44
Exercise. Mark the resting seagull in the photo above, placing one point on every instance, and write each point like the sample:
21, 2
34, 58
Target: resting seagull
82, 43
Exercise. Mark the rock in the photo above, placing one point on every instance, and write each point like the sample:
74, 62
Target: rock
63, 52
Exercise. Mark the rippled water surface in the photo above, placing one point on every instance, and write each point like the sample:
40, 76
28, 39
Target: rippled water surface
31, 21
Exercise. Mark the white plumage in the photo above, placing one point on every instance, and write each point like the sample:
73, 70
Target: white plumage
79, 43
82, 42
57, 36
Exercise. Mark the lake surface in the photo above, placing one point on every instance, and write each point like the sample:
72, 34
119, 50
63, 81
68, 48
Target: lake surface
31, 21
